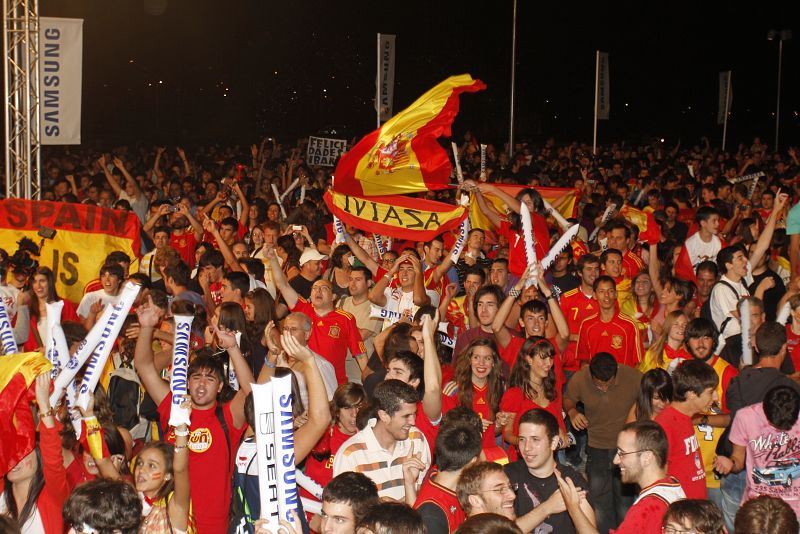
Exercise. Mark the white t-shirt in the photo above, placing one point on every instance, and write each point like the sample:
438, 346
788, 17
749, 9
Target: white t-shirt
34, 523
9, 294
401, 301
722, 301
90, 298
699, 250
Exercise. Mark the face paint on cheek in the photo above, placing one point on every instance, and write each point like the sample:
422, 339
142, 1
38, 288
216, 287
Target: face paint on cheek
155, 476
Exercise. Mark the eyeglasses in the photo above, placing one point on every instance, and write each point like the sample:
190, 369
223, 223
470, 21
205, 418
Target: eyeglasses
622, 453
510, 488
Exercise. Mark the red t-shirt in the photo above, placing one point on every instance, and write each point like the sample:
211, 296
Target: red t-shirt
445, 499
68, 313
644, 517
210, 470
631, 264
515, 401
576, 307
319, 464
510, 352
331, 336
517, 260
480, 406
792, 344
185, 245
619, 337
684, 460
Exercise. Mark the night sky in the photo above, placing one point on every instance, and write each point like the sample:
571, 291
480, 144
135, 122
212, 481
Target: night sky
232, 71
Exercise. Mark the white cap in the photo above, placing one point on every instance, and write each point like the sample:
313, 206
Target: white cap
311, 254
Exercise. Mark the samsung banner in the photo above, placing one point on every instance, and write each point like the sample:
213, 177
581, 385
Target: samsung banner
60, 75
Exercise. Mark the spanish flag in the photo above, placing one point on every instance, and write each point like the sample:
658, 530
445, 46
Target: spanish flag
17, 375
403, 156
649, 231
563, 199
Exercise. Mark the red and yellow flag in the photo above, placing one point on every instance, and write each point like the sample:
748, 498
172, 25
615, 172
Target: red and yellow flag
85, 234
404, 156
400, 217
17, 375
649, 231
563, 199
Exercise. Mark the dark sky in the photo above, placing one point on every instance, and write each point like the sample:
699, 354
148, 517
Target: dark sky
292, 68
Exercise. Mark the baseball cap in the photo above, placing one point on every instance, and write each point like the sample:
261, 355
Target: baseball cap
310, 254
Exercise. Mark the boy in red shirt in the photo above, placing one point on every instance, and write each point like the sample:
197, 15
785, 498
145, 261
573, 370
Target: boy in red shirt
694, 385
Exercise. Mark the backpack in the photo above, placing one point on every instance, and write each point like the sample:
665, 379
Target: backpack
705, 309
125, 395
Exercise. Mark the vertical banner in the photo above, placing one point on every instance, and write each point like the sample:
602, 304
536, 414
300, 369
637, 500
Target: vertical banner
725, 96
178, 379
603, 87
385, 82
60, 79
284, 446
265, 455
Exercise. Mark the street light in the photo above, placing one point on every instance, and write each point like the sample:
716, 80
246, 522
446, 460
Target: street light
780, 36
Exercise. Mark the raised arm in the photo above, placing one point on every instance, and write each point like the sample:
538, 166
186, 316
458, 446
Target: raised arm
421, 297
278, 276
149, 316
319, 413
179, 504
157, 163
765, 239
128, 178
654, 269
432, 370
187, 169
196, 226
244, 217
227, 340
208, 208
501, 333
112, 180
151, 223
361, 254
562, 334
211, 227
512, 203
377, 294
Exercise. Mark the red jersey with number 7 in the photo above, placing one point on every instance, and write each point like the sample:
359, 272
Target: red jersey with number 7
576, 306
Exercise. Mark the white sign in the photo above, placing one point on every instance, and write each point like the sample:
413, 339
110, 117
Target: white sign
324, 152
60, 79
385, 80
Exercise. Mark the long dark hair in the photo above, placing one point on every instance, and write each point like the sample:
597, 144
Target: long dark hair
286, 242
34, 490
655, 383
521, 372
463, 376
264, 306
52, 295
538, 206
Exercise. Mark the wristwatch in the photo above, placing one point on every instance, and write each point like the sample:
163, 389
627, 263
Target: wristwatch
704, 420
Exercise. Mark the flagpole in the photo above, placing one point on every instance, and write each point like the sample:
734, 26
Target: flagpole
596, 99
378, 83
513, 73
727, 107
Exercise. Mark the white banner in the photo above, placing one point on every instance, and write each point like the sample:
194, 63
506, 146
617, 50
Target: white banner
60, 80
178, 379
7, 341
725, 95
265, 454
603, 87
324, 152
385, 81
284, 446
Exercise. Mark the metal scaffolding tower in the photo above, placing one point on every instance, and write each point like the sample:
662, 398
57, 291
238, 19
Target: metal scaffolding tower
21, 47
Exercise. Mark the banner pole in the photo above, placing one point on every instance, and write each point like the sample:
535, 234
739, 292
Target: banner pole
513, 75
596, 99
727, 107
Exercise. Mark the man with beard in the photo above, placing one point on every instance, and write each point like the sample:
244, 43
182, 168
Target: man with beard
641, 455
701, 340
485, 306
539, 499
387, 442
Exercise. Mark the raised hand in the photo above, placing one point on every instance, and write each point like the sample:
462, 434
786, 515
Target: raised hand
149, 314
295, 349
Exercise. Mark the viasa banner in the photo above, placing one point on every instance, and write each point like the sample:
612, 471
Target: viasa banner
396, 216
84, 236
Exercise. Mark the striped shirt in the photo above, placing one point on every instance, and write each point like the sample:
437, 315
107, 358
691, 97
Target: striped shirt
363, 454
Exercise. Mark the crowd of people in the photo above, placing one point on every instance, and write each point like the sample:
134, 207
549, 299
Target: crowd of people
645, 382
